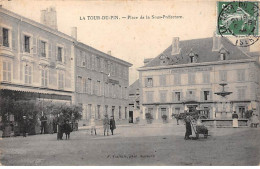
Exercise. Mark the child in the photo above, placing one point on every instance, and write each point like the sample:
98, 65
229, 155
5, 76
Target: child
67, 129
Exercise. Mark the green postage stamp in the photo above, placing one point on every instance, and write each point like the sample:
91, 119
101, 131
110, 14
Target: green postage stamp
238, 19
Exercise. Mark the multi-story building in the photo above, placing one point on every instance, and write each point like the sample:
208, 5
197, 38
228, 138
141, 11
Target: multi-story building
101, 84
35, 58
187, 75
134, 102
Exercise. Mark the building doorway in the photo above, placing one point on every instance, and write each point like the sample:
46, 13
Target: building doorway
192, 108
113, 111
131, 117
241, 111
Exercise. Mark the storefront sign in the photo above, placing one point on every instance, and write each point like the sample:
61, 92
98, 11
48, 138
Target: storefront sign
194, 69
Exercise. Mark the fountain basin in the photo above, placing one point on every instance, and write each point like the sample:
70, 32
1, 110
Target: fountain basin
224, 122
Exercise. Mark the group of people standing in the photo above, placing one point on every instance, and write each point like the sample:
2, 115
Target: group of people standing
108, 124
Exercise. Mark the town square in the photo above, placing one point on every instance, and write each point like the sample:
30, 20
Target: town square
129, 83
144, 145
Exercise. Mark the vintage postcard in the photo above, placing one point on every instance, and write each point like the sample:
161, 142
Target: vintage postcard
129, 83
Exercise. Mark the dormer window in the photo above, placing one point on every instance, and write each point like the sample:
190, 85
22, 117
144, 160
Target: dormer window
193, 57
164, 59
223, 54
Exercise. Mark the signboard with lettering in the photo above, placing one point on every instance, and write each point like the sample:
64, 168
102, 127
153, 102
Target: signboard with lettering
193, 69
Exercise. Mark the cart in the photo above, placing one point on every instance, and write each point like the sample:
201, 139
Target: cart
200, 129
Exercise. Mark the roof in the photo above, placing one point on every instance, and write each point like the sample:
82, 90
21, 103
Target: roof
201, 47
87, 47
254, 54
36, 24
133, 87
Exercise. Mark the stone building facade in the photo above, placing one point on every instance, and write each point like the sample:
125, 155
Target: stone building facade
35, 59
187, 75
101, 84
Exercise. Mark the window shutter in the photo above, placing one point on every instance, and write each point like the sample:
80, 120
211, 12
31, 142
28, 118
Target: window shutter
13, 40
22, 42
102, 65
34, 46
1, 36
146, 82
56, 52
210, 95
50, 49
201, 96
65, 55
173, 97
39, 47
181, 96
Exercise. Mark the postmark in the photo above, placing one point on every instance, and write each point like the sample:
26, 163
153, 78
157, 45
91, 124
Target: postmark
238, 22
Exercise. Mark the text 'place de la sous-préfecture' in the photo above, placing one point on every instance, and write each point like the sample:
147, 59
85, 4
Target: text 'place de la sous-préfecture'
130, 17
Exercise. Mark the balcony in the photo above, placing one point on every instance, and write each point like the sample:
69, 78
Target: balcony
44, 61
60, 65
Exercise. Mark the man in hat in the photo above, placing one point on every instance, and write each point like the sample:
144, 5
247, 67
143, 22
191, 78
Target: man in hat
61, 122
24, 125
106, 124
112, 124
43, 123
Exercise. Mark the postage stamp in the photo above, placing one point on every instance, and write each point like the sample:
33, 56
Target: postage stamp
239, 20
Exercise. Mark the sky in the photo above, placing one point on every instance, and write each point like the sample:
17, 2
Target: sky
129, 39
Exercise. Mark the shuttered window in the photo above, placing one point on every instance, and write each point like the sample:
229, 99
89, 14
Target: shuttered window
191, 78
149, 82
162, 80
241, 93
241, 75
27, 44
223, 75
6, 42
177, 79
43, 48
163, 96
206, 77
59, 55
28, 74
44, 77
61, 80
7, 71
149, 97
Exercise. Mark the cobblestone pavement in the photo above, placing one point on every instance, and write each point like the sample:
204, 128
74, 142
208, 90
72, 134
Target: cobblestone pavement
136, 145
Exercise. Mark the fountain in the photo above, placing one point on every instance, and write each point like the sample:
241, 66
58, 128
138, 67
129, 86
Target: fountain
223, 93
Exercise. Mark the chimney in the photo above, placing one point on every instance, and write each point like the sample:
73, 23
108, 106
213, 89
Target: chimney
175, 46
109, 52
216, 42
49, 17
74, 32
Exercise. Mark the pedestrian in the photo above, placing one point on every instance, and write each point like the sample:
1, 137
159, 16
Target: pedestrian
43, 123
112, 124
61, 122
93, 125
255, 120
188, 127
67, 129
106, 124
24, 125
235, 119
